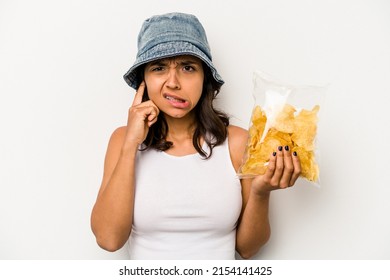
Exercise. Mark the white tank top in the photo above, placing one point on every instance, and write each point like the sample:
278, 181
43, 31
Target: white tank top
185, 207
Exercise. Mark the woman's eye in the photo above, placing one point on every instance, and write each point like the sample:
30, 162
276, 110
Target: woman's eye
157, 68
188, 68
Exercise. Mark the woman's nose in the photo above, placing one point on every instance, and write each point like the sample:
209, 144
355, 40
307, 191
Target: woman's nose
172, 79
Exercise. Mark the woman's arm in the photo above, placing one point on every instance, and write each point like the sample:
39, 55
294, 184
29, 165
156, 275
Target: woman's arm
112, 214
253, 229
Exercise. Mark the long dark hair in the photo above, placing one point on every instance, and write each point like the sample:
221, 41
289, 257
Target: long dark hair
211, 124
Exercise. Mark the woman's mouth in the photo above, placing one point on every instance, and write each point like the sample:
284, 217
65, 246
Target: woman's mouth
176, 101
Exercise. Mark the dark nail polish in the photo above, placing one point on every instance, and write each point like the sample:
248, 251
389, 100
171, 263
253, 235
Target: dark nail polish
286, 148
274, 153
280, 148
295, 153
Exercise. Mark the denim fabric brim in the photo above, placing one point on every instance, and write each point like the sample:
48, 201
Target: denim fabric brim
165, 50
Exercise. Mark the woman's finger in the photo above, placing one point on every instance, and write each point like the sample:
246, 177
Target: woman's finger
139, 94
288, 168
269, 173
153, 116
279, 167
297, 168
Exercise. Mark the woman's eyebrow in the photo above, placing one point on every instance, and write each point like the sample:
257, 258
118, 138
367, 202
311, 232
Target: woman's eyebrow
188, 61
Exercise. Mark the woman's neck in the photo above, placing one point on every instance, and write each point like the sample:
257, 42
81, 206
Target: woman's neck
180, 129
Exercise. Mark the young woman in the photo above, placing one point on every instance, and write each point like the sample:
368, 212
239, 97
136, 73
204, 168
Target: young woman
169, 186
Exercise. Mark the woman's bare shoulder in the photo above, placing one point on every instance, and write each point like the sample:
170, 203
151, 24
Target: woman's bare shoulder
113, 152
238, 138
237, 135
118, 134
116, 142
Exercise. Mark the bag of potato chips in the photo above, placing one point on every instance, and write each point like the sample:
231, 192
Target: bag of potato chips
283, 115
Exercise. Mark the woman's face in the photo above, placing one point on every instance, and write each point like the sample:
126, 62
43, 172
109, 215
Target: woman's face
175, 84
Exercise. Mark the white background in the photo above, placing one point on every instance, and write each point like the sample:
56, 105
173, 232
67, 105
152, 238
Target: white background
62, 94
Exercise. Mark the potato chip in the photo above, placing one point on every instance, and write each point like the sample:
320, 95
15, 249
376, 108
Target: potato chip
309, 167
305, 128
285, 120
296, 131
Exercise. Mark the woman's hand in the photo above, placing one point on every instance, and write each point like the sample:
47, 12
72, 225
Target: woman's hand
283, 170
141, 116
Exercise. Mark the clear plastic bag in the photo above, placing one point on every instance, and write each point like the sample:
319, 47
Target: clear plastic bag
283, 115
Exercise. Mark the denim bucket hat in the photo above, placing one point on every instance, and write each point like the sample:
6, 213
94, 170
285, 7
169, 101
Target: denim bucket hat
170, 35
